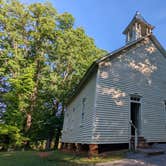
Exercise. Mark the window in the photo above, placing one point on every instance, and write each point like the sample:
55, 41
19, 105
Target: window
83, 108
135, 98
165, 112
66, 121
165, 105
72, 119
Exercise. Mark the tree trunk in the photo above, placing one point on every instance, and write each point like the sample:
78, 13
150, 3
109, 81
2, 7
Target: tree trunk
57, 137
33, 98
48, 144
49, 140
28, 122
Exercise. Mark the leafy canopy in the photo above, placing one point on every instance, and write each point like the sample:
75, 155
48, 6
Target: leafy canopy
43, 56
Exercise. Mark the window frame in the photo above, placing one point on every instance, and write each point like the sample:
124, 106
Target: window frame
83, 109
165, 106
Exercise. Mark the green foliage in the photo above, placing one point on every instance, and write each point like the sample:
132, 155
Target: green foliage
65, 21
76, 51
44, 57
10, 136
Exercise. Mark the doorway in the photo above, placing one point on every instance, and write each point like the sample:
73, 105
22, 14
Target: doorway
135, 106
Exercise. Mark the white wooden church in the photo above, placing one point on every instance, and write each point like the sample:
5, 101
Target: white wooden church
123, 89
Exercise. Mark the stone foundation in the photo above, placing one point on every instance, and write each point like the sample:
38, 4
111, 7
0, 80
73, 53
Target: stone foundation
93, 149
74, 147
78, 148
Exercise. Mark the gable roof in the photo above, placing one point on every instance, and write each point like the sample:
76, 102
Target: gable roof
110, 56
137, 17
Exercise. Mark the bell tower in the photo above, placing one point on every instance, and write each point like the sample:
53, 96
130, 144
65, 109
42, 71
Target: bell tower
137, 28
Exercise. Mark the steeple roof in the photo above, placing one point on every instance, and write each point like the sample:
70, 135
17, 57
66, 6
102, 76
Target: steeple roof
137, 18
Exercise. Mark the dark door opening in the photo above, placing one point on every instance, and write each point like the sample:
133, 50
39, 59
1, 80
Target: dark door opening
135, 116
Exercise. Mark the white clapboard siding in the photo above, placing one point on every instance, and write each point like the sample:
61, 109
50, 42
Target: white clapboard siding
141, 70
74, 129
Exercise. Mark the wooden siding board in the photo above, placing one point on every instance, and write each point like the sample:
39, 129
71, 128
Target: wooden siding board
81, 130
108, 111
125, 75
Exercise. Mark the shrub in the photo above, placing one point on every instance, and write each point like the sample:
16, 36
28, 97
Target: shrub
10, 137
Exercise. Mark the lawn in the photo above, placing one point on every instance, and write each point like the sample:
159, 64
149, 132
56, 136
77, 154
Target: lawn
31, 158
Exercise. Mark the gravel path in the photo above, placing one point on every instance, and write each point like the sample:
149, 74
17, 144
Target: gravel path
139, 159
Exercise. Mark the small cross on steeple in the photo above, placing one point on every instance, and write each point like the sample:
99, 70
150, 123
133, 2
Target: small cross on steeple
137, 28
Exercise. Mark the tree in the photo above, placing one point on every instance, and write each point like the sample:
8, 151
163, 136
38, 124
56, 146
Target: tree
43, 58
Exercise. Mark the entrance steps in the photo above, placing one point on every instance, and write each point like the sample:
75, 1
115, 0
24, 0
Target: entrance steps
151, 151
141, 142
145, 148
155, 149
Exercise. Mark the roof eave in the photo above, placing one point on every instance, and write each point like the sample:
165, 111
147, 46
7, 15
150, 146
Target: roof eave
158, 45
95, 64
91, 69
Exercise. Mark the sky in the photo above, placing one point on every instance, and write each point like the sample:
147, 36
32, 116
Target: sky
104, 20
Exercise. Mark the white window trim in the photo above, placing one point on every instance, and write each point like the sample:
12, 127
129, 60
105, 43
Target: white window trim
141, 119
83, 102
135, 101
165, 105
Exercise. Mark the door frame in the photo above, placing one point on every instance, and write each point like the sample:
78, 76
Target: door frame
140, 113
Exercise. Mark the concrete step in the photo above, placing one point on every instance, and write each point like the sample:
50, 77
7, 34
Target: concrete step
141, 142
151, 151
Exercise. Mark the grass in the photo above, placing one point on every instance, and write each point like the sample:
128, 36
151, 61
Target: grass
31, 158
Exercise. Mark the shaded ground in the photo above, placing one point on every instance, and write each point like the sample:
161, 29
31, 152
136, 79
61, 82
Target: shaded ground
63, 159
31, 158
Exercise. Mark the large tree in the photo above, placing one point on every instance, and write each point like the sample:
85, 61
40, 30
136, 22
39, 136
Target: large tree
43, 57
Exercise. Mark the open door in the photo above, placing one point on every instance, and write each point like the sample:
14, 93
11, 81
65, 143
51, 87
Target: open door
135, 106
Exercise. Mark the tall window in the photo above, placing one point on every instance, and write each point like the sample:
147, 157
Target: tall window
165, 112
72, 118
165, 109
83, 109
66, 121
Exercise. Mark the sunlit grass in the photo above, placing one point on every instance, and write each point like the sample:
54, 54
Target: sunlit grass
86, 159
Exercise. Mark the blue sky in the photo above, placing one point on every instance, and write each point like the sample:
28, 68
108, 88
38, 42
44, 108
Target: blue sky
104, 20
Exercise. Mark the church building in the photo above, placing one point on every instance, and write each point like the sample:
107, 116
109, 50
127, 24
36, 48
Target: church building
121, 97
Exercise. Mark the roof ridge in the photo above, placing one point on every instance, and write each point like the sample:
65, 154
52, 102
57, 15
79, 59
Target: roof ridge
121, 48
92, 68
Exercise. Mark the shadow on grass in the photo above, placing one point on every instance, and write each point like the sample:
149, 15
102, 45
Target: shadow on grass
73, 164
68, 159
54, 158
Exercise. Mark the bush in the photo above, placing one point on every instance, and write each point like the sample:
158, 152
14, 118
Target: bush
10, 137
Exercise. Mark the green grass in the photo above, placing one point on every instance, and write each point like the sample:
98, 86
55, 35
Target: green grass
31, 158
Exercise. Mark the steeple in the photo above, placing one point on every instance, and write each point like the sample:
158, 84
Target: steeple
137, 28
